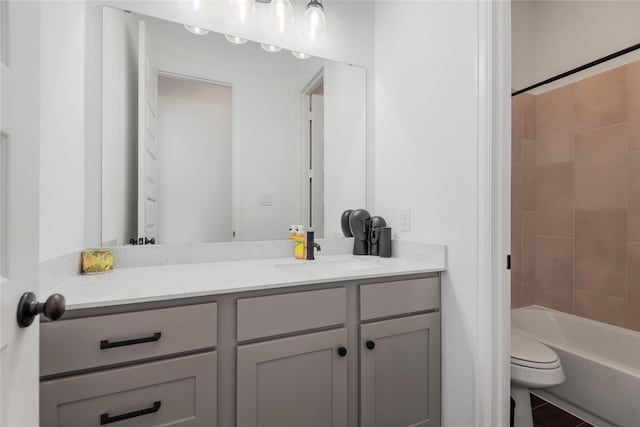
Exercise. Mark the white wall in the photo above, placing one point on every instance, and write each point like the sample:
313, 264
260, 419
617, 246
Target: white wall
426, 159
523, 43
71, 207
560, 35
345, 100
62, 127
194, 161
119, 127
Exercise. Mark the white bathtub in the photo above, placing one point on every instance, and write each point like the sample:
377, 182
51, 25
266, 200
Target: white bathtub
601, 362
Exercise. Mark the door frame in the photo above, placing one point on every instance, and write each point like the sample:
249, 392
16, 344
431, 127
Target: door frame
303, 148
493, 336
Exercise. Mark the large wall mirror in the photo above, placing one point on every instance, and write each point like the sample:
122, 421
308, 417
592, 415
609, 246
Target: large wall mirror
205, 140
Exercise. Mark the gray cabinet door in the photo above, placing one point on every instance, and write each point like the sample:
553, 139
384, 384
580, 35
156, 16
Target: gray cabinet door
297, 381
400, 372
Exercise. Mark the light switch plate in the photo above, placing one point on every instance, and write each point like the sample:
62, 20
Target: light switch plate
405, 219
266, 200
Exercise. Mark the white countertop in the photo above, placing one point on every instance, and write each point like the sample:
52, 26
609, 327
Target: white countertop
157, 283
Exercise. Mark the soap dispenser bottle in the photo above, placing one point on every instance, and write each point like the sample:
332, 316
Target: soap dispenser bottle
299, 243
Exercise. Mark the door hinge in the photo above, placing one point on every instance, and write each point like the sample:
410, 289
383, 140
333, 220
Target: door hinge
509, 262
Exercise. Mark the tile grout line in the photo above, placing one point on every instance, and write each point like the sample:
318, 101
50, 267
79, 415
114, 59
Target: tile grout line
626, 245
573, 282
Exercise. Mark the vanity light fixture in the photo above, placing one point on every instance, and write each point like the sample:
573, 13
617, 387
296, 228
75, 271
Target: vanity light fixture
242, 10
196, 30
270, 48
281, 15
315, 23
235, 39
300, 55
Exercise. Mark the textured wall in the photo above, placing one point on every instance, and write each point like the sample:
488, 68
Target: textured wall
576, 198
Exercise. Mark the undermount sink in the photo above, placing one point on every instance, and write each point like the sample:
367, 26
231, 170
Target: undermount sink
319, 265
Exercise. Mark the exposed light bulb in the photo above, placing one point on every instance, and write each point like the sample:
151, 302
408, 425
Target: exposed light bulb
270, 48
235, 39
196, 30
315, 23
242, 10
281, 14
300, 55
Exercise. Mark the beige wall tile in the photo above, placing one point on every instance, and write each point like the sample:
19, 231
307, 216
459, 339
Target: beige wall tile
601, 252
528, 294
528, 254
516, 198
633, 104
554, 272
633, 212
601, 100
515, 272
516, 128
554, 126
604, 308
554, 199
528, 175
516, 294
516, 260
633, 249
601, 168
528, 116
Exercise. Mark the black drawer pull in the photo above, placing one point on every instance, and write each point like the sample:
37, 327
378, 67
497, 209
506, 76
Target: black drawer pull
106, 419
106, 344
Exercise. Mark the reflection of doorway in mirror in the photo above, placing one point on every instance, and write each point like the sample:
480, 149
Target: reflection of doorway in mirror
314, 157
194, 138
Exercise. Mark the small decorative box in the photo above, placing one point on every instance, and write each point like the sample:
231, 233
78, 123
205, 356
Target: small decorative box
97, 261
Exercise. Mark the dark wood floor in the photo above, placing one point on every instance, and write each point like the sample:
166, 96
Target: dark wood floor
547, 415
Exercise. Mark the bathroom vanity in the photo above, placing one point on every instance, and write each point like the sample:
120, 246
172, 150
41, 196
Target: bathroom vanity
247, 343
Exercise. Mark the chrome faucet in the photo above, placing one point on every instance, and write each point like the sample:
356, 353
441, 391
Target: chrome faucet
311, 245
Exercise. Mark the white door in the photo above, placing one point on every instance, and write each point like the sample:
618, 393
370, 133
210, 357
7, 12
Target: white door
316, 177
147, 144
19, 166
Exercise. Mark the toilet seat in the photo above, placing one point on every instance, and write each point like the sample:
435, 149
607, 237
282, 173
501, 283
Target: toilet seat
532, 354
533, 364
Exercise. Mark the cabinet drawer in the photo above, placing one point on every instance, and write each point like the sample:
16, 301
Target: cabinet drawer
177, 392
397, 298
78, 344
280, 314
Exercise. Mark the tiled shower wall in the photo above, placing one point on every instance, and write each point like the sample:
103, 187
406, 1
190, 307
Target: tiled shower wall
576, 198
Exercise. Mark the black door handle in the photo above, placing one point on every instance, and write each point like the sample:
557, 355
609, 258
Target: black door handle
106, 419
29, 308
370, 344
106, 344
342, 351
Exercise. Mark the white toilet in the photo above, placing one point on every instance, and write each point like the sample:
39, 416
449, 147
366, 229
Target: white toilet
533, 365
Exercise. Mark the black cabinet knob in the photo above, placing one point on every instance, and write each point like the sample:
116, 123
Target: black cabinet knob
29, 308
370, 345
342, 351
